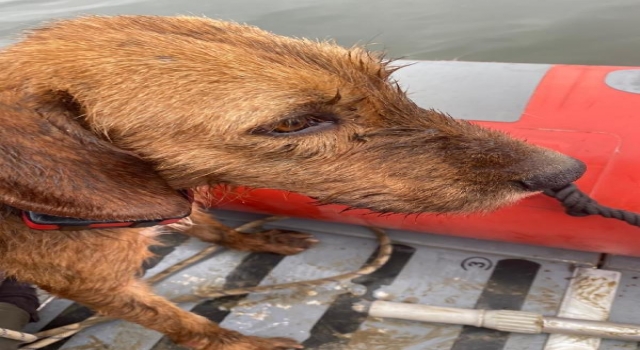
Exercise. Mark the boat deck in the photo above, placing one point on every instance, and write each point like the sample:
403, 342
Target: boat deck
429, 269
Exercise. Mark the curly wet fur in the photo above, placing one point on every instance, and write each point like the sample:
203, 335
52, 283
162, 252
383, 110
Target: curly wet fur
122, 111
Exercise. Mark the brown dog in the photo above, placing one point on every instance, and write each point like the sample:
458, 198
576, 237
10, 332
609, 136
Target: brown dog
105, 118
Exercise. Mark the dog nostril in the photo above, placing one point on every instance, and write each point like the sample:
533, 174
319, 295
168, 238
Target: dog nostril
554, 179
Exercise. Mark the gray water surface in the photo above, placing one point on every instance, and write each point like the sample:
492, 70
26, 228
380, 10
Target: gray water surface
534, 31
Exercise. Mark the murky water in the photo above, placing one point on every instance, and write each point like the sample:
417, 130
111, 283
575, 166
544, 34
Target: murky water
539, 31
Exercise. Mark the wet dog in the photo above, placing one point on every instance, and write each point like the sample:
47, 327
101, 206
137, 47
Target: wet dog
105, 118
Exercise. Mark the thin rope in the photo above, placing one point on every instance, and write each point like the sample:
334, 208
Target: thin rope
15, 335
578, 203
384, 253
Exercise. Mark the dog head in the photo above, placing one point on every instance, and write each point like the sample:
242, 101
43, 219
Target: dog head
204, 102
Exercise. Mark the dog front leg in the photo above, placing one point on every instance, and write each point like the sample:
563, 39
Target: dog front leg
206, 228
135, 302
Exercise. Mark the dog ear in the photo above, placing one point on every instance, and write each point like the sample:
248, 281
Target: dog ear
50, 164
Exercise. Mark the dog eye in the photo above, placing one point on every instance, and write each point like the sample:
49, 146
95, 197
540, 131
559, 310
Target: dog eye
293, 125
298, 125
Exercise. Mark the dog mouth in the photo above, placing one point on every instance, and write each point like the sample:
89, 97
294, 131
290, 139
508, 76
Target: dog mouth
460, 196
521, 187
457, 207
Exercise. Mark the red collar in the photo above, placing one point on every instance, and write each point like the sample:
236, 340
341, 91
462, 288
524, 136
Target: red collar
38, 221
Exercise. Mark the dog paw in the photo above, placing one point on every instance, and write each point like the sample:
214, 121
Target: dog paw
283, 242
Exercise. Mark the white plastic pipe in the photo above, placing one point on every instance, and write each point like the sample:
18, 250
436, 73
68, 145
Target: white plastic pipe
505, 320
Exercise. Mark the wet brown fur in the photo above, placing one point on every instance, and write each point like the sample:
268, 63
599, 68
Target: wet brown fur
104, 117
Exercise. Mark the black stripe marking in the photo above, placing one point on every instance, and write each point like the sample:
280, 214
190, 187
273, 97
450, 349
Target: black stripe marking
77, 313
249, 273
340, 318
506, 289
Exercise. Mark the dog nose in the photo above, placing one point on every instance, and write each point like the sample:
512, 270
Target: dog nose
555, 179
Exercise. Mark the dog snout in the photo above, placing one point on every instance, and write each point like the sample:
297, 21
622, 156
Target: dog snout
558, 177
